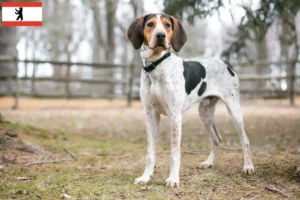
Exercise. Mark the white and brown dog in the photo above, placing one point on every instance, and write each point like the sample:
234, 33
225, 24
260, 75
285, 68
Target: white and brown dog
170, 85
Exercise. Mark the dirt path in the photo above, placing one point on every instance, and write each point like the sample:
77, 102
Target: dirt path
113, 141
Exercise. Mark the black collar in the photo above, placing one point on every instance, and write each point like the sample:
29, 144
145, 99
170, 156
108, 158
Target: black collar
153, 65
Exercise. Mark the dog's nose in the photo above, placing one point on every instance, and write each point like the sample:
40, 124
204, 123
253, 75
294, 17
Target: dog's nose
160, 36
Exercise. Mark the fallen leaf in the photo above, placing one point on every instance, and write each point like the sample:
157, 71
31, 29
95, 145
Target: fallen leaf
23, 178
65, 196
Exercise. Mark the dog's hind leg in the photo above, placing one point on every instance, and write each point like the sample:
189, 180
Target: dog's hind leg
234, 109
206, 112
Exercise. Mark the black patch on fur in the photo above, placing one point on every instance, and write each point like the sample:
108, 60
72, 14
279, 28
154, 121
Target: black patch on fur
230, 71
202, 88
193, 73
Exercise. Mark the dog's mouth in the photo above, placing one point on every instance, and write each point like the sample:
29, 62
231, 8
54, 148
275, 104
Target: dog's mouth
162, 46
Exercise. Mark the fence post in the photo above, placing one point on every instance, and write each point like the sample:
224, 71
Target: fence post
130, 85
16, 93
9, 86
292, 84
67, 86
33, 90
111, 95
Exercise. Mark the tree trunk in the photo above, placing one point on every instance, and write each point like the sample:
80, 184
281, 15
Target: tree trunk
286, 46
8, 43
261, 49
293, 66
98, 42
110, 6
58, 70
137, 6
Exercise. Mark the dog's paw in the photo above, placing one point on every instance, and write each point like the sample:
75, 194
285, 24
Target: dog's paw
249, 169
205, 165
141, 180
172, 183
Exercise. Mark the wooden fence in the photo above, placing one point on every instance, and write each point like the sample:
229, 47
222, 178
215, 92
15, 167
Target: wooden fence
128, 82
290, 78
67, 79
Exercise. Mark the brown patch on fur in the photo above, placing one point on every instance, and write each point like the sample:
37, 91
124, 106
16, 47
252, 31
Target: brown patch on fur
148, 31
169, 30
158, 50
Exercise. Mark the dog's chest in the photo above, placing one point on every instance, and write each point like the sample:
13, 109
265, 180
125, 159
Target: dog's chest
160, 90
167, 88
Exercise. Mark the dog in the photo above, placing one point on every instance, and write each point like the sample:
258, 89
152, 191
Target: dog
170, 85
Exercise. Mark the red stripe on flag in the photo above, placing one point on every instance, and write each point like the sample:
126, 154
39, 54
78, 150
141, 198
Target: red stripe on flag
22, 23
21, 4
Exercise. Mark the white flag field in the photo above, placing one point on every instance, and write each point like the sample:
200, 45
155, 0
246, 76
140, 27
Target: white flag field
22, 14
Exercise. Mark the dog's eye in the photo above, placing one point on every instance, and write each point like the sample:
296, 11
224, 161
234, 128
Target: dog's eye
150, 25
168, 25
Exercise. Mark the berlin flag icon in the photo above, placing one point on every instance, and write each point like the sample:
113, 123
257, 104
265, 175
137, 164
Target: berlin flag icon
22, 14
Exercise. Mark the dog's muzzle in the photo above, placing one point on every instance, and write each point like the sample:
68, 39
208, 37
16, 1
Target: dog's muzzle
160, 38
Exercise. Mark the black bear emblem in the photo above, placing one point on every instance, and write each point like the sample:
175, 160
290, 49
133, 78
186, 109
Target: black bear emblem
19, 13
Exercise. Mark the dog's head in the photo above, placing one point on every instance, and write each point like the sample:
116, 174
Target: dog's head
157, 31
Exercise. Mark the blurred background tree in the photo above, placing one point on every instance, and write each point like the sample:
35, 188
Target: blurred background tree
192, 8
8, 46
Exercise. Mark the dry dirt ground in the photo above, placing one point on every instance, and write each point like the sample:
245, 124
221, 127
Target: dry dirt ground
109, 144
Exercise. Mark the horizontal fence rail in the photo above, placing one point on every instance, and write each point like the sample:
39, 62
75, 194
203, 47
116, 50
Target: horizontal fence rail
5, 59
253, 77
64, 80
264, 62
67, 79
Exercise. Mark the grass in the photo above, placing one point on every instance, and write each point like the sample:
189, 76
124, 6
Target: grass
116, 142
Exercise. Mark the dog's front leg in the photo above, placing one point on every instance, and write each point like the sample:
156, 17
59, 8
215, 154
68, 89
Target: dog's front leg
152, 124
176, 123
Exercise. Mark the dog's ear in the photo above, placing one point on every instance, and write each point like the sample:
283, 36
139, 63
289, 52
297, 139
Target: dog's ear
179, 36
135, 32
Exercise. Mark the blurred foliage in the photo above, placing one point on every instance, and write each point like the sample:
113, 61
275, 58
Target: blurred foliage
258, 22
85, 2
193, 8
253, 26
